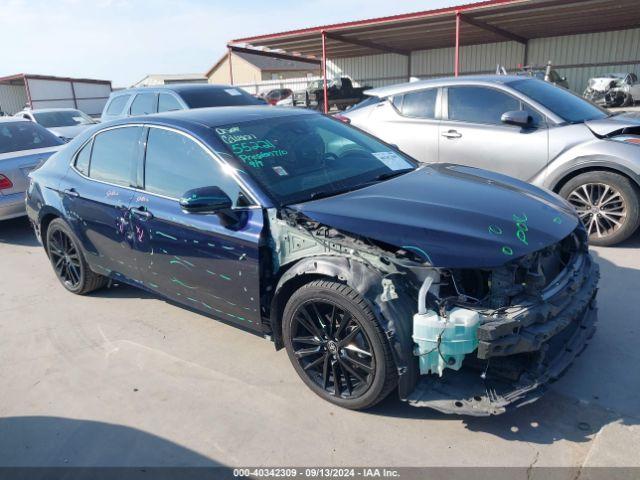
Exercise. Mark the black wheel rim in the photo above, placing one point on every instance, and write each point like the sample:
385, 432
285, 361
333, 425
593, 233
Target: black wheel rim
65, 259
332, 349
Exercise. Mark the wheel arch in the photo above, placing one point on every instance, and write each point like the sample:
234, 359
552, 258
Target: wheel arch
47, 215
395, 316
594, 166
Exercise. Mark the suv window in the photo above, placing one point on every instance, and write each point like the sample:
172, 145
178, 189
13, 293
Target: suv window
175, 164
168, 103
479, 104
420, 104
117, 104
82, 159
113, 155
143, 104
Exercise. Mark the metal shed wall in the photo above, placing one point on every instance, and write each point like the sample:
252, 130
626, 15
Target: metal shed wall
12, 98
578, 57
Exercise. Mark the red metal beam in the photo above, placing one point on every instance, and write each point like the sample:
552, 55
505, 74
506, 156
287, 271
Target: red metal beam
325, 97
376, 21
230, 66
456, 61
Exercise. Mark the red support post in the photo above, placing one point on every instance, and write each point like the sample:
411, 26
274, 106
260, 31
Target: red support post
324, 72
230, 67
456, 67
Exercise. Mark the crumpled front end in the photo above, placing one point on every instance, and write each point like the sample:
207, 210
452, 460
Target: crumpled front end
536, 314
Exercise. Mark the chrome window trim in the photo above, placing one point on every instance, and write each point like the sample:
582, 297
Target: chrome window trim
240, 182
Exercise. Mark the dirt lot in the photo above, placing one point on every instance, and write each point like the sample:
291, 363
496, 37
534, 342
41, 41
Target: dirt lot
122, 378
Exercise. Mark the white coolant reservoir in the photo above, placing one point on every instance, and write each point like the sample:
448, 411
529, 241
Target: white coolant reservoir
443, 342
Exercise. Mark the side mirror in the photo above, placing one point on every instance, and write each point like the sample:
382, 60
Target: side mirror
205, 200
516, 117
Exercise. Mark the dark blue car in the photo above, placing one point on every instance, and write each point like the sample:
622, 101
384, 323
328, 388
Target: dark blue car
373, 271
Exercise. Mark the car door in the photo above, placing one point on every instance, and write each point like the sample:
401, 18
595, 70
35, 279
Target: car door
206, 261
472, 133
409, 121
96, 195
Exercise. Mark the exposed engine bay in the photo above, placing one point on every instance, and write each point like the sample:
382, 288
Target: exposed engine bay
465, 340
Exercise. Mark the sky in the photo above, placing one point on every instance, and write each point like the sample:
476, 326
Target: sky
124, 40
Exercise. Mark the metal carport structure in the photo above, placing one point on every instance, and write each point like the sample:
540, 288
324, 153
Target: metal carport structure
471, 24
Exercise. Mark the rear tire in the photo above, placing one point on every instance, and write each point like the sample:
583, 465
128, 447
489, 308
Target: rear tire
331, 333
608, 204
68, 260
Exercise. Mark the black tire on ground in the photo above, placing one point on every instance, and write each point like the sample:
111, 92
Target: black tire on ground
87, 280
630, 199
355, 392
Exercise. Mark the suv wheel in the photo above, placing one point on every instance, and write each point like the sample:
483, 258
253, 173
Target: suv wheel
67, 259
608, 204
337, 346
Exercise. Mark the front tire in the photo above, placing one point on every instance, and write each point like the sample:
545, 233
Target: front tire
607, 203
68, 261
336, 345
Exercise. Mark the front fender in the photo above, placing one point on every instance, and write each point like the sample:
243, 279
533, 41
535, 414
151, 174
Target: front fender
393, 312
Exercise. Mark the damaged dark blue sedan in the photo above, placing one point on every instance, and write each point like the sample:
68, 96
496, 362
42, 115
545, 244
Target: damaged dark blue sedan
466, 290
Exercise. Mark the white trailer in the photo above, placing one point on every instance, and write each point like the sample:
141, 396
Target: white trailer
44, 91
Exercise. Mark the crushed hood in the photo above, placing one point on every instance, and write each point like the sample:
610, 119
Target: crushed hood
616, 125
602, 84
453, 216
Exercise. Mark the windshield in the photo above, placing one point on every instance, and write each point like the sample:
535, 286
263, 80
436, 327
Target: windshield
568, 106
218, 97
17, 136
303, 157
62, 118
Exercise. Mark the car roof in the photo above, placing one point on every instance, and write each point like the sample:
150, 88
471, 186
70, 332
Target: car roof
439, 82
215, 116
175, 87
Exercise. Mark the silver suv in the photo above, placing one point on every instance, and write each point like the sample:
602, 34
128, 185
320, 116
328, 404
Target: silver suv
522, 127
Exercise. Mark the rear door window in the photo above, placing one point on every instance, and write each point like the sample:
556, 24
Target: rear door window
479, 104
168, 103
144, 104
117, 105
114, 154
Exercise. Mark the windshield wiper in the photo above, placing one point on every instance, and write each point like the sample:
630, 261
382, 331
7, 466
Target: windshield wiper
393, 173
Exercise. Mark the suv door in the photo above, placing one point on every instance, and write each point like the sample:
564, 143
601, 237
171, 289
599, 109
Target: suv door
409, 121
206, 261
472, 133
96, 195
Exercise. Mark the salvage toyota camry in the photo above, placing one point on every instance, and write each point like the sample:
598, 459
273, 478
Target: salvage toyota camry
466, 290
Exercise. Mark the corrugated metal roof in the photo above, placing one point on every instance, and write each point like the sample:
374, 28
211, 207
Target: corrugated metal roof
274, 64
484, 22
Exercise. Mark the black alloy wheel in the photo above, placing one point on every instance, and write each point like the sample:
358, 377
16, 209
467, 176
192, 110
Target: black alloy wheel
336, 345
332, 349
65, 259
68, 261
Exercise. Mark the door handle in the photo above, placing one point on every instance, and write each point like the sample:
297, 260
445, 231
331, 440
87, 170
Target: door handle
71, 192
142, 212
451, 134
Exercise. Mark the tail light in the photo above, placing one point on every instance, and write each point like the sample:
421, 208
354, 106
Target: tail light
342, 118
5, 183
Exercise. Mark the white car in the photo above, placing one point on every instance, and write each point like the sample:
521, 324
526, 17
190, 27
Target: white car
64, 123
